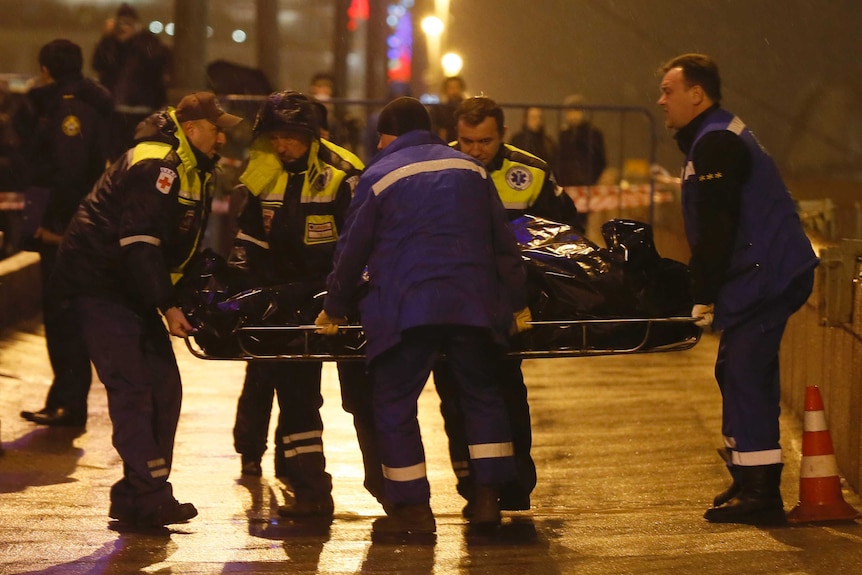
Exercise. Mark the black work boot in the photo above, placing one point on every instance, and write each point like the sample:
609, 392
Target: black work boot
486, 506
733, 490
251, 466
758, 501
403, 519
308, 506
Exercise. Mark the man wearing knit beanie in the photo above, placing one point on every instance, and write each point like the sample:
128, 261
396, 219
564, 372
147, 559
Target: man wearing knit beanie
445, 277
403, 115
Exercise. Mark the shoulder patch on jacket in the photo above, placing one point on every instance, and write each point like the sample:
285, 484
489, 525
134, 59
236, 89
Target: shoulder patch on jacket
71, 125
165, 179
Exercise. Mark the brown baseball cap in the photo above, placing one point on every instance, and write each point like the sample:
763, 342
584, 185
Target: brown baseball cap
205, 106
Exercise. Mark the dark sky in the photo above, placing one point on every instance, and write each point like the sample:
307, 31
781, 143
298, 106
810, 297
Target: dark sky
780, 59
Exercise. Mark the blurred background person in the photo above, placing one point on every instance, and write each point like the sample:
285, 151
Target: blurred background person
65, 152
581, 157
443, 114
532, 137
343, 129
134, 65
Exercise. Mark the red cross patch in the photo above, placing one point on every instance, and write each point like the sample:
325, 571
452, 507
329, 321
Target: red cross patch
165, 180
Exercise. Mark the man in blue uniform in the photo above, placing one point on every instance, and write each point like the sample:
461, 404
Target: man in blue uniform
298, 187
445, 277
525, 185
66, 149
122, 252
752, 266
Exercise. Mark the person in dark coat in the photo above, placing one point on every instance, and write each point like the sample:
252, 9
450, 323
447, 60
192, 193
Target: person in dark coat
525, 185
445, 276
134, 65
581, 157
66, 153
533, 139
121, 255
752, 266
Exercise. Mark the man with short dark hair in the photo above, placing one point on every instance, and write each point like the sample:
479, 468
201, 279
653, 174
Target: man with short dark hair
445, 276
525, 185
66, 149
752, 267
121, 255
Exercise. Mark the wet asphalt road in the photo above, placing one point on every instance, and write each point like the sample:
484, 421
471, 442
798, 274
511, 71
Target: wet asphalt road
625, 450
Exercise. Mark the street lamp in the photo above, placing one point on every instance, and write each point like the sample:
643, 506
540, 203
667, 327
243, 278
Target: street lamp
452, 64
433, 27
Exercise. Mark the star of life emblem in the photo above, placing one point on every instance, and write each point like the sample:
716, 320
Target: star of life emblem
519, 178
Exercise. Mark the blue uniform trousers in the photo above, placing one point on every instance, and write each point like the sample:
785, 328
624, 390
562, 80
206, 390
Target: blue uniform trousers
399, 376
135, 361
747, 373
516, 494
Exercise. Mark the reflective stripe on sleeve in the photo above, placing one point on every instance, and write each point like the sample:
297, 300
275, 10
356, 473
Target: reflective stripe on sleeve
425, 167
411, 473
140, 239
488, 450
253, 240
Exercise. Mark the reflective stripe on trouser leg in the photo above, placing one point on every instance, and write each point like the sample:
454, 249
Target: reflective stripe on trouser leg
453, 423
299, 457
305, 464
135, 361
474, 360
747, 372
398, 377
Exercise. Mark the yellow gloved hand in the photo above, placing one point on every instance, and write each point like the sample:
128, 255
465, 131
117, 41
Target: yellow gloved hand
327, 324
521, 321
704, 314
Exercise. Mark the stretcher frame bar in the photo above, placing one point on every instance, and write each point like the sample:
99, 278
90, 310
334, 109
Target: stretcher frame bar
582, 351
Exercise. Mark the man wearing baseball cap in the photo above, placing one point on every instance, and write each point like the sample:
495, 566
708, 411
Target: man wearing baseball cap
121, 255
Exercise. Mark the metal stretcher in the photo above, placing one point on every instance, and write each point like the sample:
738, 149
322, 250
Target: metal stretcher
570, 338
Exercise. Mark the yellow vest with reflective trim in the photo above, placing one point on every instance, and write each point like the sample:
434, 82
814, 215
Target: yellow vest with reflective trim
193, 189
517, 183
266, 177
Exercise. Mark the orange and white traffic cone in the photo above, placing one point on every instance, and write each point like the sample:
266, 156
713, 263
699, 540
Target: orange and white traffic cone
820, 496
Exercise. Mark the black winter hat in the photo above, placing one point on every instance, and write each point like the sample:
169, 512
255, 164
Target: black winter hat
402, 115
287, 110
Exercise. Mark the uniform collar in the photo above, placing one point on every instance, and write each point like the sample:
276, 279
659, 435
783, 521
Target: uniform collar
686, 135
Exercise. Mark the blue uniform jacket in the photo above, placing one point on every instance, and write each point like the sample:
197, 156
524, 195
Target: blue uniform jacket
429, 224
771, 249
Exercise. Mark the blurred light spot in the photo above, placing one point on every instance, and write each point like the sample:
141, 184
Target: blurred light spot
238, 36
452, 64
432, 25
156, 27
169, 28
209, 31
